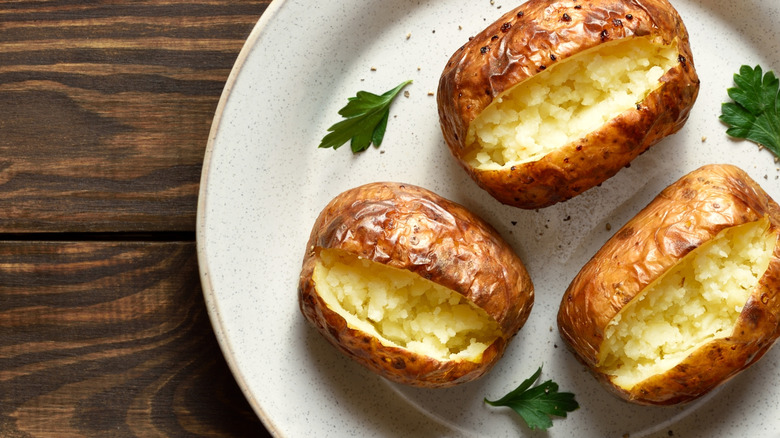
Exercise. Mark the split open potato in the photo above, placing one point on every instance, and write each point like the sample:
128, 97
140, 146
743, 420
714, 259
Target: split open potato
557, 96
685, 295
412, 286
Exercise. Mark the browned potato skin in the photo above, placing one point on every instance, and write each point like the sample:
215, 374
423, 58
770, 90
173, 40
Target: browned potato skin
681, 218
535, 36
408, 227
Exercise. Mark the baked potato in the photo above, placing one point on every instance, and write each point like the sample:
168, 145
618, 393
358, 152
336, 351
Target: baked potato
412, 286
685, 295
557, 96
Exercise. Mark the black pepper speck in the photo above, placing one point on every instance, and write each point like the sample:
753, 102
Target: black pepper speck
566, 17
483, 50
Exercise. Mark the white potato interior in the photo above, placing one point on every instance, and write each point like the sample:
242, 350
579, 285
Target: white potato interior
696, 301
402, 309
567, 101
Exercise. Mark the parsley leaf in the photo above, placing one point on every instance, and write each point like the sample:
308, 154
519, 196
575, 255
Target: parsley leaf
536, 405
365, 120
755, 113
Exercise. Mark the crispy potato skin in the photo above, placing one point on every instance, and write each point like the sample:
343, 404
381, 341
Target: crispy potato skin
535, 36
411, 228
682, 217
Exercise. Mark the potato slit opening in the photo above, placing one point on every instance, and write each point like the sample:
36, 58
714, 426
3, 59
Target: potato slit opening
565, 102
696, 301
403, 309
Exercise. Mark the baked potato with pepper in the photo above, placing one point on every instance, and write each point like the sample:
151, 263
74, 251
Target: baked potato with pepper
685, 295
557, 96
412, 286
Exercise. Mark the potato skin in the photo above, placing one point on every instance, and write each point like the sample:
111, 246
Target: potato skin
682, 217
411, 228
536, 35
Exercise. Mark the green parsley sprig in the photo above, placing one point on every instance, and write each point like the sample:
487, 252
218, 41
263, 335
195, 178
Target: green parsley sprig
755, 113
365, 120
536, 405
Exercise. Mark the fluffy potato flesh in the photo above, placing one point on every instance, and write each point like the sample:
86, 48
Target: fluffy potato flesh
696, 301
565, 102
402, 309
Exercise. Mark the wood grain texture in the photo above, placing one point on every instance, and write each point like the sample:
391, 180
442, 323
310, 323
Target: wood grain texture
111, 339
105, 109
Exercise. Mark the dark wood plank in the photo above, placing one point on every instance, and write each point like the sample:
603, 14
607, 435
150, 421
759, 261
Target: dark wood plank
111, 339
106, 109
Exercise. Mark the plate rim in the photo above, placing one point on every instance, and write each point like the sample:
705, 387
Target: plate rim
212, 305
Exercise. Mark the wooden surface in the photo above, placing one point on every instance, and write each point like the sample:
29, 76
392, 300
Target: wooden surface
105, 110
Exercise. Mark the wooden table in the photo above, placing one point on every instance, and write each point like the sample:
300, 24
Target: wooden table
105, 109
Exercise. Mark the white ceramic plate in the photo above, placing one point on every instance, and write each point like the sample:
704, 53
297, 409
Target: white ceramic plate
265, 181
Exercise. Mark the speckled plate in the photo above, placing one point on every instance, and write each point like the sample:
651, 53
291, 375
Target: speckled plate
265, 181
